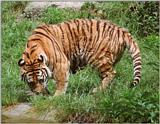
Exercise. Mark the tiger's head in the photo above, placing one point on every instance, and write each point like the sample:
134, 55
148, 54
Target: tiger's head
34, 70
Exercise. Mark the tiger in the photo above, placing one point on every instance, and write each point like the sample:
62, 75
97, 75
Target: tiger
53, 51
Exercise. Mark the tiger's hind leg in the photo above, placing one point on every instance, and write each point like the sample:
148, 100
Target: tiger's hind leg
107, 77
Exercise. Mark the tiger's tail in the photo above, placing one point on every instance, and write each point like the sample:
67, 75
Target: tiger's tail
135, 54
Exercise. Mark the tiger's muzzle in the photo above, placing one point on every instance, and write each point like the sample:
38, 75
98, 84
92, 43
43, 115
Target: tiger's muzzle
37, 81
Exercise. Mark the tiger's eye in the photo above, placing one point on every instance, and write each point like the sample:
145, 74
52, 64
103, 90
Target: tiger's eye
41, 80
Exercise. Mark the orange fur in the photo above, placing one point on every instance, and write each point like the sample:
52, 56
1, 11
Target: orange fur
69, 45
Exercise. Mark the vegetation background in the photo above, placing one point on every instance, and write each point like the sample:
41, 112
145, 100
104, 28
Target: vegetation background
118, 103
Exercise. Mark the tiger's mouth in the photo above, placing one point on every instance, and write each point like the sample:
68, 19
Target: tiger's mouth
37, 83
44, 92
39, 88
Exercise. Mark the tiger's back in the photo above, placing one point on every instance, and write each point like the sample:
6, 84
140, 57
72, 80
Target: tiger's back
79, 42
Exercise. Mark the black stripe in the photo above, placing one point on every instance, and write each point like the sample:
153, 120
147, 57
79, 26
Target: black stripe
136, 56
33, 39
27, 45
76, 36
22, 76
139, 68
86, 22
34, 46
137, 64
72, 37
104, 27
87, 43
40, 33
69, 27
27, 54
46, 71
111, 32
95, 41
32, 51
78, 26
98, 25
123, 37
61, 31
47, 30
68, 42
138, 76
31, 71
83, 28
137, 73
98, 28
107, 29
89, 56
98, 47
75, 21
135, 60
84, 40
77, 43
136, 80
118, 33
83, 32
91, 26
114, 37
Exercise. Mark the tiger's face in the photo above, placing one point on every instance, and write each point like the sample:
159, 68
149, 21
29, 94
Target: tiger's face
35, 72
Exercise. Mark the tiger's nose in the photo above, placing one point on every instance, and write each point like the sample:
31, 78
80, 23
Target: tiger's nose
36, 92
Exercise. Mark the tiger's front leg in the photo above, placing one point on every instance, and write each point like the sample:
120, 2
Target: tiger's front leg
61, 74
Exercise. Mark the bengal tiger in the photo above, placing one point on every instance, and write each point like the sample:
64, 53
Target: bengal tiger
52, 51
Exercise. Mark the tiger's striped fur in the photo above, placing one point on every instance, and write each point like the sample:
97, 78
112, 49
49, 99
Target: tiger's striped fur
54, 50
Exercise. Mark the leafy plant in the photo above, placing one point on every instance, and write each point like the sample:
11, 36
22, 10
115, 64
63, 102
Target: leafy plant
145, 16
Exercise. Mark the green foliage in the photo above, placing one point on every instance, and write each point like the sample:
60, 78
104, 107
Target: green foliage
118, 103
81, 79
14, 36
141, 18
12, 7
145, 16
55, 15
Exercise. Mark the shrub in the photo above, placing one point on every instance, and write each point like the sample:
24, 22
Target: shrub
144, 15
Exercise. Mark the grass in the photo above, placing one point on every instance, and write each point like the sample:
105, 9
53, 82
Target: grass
116, 104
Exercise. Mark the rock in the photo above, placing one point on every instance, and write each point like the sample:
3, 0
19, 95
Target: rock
35, 9
44, 5
17, 110
24, 113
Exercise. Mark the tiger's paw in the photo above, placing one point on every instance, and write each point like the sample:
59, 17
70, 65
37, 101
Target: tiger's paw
98, 89
59, 93
95, 90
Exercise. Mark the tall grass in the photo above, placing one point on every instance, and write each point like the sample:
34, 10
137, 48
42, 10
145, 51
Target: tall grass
118, 103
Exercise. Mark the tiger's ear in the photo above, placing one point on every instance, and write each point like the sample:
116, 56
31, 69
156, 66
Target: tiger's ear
41, 58
21, 62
